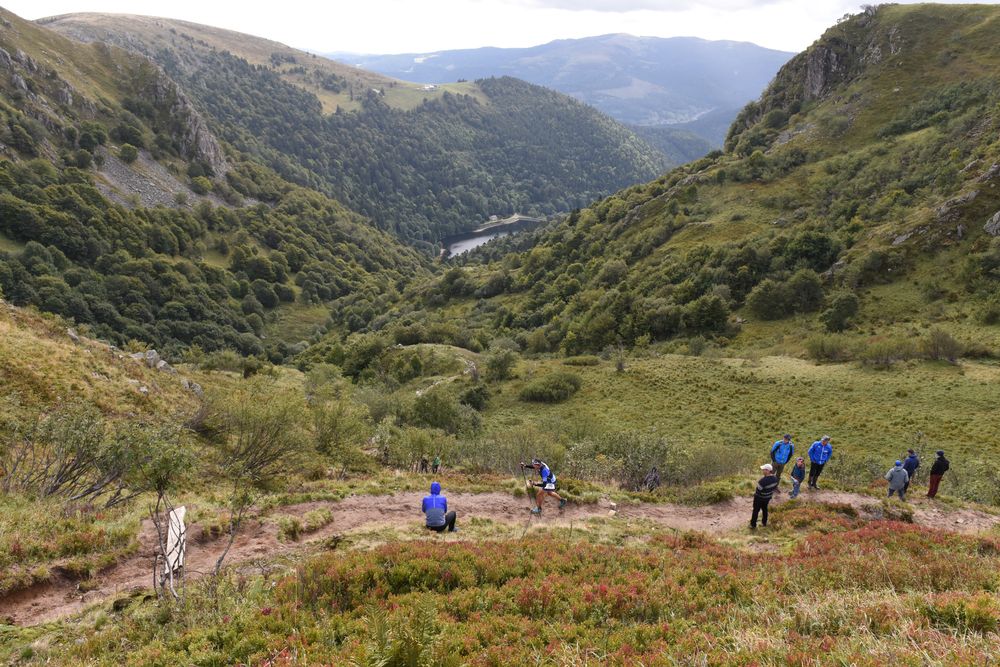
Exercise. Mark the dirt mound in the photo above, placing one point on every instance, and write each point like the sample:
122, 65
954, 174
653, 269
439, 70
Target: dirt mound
258, 541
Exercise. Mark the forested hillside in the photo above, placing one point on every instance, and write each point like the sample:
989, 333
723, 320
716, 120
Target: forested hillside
858, 194
193, 273
446, 164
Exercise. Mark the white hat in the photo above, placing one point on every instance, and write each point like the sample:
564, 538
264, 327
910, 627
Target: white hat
767, 466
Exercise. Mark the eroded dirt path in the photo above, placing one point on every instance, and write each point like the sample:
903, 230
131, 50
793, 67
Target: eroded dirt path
259, 543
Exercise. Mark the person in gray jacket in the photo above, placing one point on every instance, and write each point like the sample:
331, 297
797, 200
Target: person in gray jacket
898, 478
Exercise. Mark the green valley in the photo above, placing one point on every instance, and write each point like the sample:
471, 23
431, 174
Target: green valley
216, 307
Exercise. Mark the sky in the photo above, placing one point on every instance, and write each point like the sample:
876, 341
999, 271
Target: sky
407, 26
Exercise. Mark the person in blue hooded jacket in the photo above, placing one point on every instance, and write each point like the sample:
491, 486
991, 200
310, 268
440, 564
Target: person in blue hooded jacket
819, 453
435, 507
781, 453
910, 465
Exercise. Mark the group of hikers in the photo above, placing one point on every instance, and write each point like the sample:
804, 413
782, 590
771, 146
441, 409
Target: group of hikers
438, 518
899, 476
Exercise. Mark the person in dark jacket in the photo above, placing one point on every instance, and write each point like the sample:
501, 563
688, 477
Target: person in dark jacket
819, 453
798, 475
546, 487
897, 478
435, 508
938, 469
910, 465
762, 496
781, 453
652, 480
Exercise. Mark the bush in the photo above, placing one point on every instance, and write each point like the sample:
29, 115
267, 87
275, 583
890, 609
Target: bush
552, 388
128, 153
842, 307
939, 344
476, 397
828, 347
883, 353
769, 300
201, 185
583, 360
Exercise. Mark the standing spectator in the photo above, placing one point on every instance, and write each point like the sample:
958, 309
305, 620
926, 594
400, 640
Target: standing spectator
819, 453
898, 477
910, 465
762, 496
781, 453
436, 463
938, 469
423, 463
798, 475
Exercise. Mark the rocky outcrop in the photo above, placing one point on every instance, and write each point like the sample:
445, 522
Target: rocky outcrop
950, 210
191, 132
992, 226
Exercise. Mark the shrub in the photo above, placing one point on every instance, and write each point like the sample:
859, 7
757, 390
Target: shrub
883, 353
552, 388
500, 364
939, 344
842, 307
476, 397
828, 347
769, 300
201, 185
128, 153
583, 360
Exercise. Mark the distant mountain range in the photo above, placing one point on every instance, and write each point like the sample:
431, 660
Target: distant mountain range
645, 81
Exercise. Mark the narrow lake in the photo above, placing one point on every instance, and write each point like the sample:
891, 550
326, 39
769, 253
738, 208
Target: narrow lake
463, 243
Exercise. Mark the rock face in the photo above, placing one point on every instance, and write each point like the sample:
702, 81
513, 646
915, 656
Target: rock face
196, 141
992, 225
950, 210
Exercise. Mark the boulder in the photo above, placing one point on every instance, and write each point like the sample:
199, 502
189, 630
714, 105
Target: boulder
162, 365
992, 225
73, 335
949, 210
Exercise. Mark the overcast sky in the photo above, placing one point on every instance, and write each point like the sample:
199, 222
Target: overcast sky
401, 26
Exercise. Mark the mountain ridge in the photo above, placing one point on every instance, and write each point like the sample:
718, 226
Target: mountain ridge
634, 79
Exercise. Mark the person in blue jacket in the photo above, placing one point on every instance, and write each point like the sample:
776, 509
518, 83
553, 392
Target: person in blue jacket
781, 453
819, 454
546, 487
910, 465
435, 507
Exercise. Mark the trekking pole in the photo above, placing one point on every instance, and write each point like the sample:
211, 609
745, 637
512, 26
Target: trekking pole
526, 487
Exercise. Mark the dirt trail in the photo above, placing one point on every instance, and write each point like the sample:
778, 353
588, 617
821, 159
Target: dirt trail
259, 542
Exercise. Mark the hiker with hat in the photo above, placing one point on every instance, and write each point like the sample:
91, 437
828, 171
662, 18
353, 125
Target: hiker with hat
910, 465
938, 469
547, 487
762, 495
435, 508
781, 453
898, 478
819, 453
797, 476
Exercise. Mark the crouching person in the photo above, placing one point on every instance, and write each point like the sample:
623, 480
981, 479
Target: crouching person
435, 508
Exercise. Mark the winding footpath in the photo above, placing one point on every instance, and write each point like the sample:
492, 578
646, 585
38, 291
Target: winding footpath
258, 544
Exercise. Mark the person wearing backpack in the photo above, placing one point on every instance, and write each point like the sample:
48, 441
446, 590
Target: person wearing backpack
435, 509
762, 495
547, 487
819, 453
910, 465
781, 453
938, 469
897, 478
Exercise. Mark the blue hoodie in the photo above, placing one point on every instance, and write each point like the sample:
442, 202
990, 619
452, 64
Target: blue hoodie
911, 463
820, 453
435, 506
782, 451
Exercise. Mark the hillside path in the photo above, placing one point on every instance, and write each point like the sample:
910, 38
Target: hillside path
258, 542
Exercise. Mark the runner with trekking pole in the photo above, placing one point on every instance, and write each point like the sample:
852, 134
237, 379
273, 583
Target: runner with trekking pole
547, 487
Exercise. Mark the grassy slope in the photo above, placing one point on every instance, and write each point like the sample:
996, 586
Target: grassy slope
158, 33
